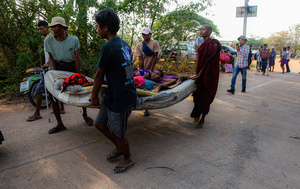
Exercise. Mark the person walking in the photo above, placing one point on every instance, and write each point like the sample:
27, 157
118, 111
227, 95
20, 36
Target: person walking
207, 75
240, 65
116, 64
43, 29
147, 51
63, 52
265, 55
288, 57
283, 59
272, 59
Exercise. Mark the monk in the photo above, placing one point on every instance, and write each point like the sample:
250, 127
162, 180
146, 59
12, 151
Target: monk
207, 74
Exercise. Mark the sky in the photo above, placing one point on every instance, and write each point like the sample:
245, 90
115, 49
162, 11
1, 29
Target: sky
272, 16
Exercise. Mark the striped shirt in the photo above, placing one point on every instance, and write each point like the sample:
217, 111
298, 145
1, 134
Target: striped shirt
242, 57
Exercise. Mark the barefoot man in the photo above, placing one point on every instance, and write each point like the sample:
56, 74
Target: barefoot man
207, 75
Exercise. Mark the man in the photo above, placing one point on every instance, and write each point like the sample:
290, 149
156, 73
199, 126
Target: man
272, 60
147, 51
63, 52
288, 52
207, 74
43, 29
249, 57
265, 55
116, 64
241, 64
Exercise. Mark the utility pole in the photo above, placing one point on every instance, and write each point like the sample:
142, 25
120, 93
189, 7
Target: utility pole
245, 18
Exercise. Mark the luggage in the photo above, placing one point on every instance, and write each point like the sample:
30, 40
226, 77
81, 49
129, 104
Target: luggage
228, 68
225, 57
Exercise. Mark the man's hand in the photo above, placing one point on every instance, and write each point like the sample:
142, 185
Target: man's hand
46, 65
94, 101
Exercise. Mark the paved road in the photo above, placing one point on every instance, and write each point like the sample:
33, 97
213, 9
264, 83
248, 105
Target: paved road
244, 144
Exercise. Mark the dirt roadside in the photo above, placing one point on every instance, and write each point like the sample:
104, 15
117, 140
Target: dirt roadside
245, 143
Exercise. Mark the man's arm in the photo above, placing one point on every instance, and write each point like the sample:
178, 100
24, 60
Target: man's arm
51, 62
141, 62
77, 61
153, 61
245, 51
208, 58
98, 81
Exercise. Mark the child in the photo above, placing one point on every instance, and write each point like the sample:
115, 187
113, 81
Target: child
155, 80
283, 59
116, 63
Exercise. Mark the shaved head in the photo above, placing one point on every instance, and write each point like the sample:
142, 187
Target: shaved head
208, 27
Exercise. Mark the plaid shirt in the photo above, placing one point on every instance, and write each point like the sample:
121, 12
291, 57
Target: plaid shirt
242, 57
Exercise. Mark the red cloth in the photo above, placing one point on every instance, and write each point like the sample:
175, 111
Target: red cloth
75, 79
208, 82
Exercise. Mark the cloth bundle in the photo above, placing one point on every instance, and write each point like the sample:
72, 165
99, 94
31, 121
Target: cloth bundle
75, 79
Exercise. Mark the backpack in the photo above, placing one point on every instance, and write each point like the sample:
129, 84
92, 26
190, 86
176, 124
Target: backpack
225, 57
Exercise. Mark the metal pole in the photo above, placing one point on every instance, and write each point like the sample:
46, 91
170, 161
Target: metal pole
245, 18
46, 94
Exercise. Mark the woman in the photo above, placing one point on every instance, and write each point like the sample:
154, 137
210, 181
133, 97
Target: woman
283, 59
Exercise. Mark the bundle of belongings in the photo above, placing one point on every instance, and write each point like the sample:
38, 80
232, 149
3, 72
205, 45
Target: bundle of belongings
73, 84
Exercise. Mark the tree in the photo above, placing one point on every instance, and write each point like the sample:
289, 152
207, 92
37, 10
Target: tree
278, 40
294, 33
180, 25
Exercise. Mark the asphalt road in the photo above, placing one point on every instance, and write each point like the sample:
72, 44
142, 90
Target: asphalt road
245, 143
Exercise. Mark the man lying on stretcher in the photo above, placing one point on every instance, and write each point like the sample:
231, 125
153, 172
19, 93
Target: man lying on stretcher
150, 81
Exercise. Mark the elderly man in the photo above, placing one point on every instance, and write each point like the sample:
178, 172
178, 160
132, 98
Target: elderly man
63, 52
241, 64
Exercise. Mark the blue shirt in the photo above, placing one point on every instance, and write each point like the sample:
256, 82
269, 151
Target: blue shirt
149, 84
242, 57
116, 59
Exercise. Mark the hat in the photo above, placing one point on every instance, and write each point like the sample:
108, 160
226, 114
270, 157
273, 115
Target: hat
146, 31
58, 21
242, 37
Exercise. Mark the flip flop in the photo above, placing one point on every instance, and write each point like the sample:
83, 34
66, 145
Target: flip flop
127, 167
33, 118
115, 156
56, 130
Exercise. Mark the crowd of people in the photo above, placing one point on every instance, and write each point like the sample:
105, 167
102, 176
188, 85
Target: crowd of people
115, 67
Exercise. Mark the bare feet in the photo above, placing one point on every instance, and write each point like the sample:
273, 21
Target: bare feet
88, 120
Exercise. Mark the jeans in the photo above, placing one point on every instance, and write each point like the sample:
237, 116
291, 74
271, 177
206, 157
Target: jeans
287, 66
235, 72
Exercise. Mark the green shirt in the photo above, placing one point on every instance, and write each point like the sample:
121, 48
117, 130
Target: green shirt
62, 50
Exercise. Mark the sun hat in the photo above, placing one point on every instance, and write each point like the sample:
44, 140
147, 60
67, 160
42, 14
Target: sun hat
58, 21
242, 37
146, 30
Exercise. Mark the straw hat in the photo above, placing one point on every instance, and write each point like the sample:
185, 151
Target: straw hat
58, 21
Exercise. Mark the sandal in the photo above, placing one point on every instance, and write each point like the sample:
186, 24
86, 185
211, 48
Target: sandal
113, 156
56, 129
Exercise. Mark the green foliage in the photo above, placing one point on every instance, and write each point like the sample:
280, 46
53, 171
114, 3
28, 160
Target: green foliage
255, 41
21, 46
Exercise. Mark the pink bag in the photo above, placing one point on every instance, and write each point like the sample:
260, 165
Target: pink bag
228, 68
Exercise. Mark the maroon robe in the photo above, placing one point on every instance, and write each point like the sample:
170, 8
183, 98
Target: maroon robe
207, 84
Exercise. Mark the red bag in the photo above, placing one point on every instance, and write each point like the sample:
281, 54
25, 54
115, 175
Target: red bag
225, 58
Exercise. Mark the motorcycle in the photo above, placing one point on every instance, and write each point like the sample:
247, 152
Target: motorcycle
29, 84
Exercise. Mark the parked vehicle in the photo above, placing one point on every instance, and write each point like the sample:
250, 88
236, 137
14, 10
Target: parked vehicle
229, 49
187, 52
29, 85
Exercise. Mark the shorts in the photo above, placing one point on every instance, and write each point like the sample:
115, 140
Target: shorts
115, 122
40, 87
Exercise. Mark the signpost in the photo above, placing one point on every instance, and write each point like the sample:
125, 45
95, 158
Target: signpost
246, 11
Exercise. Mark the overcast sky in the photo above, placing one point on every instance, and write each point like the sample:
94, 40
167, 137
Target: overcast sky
272, 16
